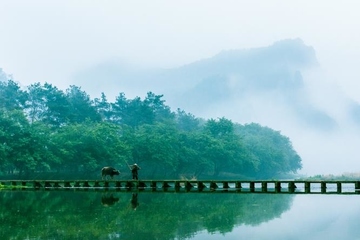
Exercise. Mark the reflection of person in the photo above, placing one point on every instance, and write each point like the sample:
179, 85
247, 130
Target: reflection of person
134, 201
134, 170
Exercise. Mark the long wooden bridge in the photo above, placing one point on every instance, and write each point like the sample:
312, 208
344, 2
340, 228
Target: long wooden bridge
251, 186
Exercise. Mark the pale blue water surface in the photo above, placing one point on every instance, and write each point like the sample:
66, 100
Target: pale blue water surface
161, 215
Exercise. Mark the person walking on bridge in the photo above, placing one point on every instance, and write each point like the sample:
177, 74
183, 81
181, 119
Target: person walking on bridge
134, 170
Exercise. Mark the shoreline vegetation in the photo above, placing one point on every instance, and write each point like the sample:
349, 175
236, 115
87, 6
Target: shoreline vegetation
344, 176
47, 131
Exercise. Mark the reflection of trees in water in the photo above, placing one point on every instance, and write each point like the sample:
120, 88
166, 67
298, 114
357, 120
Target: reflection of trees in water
68, 214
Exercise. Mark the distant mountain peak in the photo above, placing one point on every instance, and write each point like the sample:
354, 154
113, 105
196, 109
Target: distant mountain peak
291, 51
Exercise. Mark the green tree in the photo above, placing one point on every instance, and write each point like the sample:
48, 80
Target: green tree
19, 145
42, 140
103, 107
194, 155
36, 104
186, 121
81, 107
131, 112
155, 147
136, 112
161, 112
11, 96
56, 104
219, 128
271, 152
89, 146
226, 151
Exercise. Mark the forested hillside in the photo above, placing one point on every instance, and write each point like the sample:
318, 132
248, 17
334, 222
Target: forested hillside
45, 131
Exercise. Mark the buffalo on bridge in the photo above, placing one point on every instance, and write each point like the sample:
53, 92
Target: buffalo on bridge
109, 171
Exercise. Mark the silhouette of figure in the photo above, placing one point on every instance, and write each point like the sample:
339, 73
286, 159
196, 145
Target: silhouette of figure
134, 170
134, 201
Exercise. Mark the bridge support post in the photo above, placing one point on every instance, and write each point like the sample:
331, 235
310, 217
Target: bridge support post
37, 184
153, 185
129, 185
213, 185
339, 187
141, 185
165, 185
238, 185
264, 186
252, 186
177, 186
277, 186
307, 187
357, 185
47, 184
291, 187
188, 186
118, 184
200, 185
323, 187
226, 185
23, 184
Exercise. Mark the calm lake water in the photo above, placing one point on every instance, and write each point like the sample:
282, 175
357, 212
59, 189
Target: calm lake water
160, 215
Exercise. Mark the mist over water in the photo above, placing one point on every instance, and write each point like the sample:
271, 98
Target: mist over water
330, 150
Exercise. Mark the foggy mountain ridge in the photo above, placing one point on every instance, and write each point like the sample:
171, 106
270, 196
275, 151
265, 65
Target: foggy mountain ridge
233, 82
281, 55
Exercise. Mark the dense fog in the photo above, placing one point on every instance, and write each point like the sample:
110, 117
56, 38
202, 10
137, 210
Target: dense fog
281, 86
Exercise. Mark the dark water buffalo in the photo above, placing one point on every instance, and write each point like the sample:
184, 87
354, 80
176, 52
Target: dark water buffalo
109, 171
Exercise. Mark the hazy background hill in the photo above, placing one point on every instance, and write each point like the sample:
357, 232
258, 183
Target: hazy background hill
280, 86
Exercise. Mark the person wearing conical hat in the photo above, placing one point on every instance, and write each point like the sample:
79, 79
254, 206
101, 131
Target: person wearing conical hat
134, 171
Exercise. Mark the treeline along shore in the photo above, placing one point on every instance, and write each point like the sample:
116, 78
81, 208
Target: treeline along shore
48, 132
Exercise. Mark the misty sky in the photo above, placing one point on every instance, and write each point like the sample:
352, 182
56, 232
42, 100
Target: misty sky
52, 40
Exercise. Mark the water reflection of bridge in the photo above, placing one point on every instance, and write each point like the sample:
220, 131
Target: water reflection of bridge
252, 186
